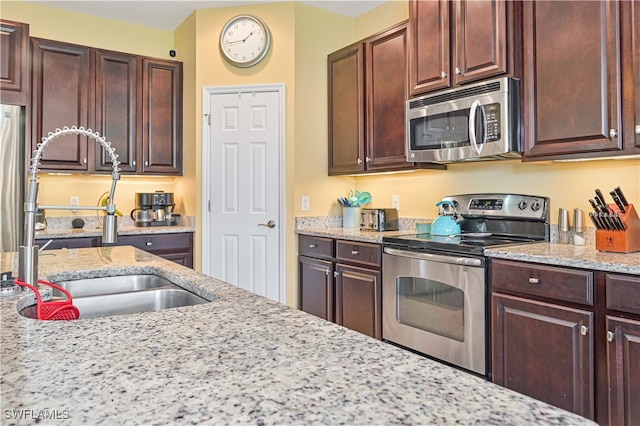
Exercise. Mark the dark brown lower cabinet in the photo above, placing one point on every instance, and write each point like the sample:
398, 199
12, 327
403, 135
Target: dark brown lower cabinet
544, 351
358, 303
623, 358
340, 281
316, 287
177, 247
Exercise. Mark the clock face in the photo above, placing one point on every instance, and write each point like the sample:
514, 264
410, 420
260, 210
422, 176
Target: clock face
245, 40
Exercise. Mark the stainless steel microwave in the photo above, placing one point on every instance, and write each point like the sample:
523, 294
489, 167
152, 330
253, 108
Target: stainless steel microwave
475, 122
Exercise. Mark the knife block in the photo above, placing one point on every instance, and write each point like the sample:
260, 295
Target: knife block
626, 241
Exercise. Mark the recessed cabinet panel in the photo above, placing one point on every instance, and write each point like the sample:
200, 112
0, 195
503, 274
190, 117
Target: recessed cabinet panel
572, 88
624, 371
14, 67
61, 89
346, 110
162, 116
116, 113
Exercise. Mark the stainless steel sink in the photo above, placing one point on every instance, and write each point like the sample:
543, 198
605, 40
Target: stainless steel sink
109, 285
122, 295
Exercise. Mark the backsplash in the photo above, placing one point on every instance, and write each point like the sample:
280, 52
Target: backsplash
407, 223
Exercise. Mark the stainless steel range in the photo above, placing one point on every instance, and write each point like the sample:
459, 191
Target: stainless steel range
434, 288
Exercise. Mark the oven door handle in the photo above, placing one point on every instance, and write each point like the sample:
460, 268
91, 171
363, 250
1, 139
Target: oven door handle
456, 260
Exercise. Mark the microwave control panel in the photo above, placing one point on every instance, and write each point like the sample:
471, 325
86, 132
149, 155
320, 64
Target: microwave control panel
492, 114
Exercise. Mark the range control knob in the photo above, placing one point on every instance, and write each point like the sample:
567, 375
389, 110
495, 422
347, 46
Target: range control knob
522, 205
535, 206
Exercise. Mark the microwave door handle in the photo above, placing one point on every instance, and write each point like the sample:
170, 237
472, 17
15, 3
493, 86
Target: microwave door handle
472, 126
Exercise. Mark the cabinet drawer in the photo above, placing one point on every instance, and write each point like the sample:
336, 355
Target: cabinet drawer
69, 243
623, 293
157, 242
570, 285
317, 247
361, 253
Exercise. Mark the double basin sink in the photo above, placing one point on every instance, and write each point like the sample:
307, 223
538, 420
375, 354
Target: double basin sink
122, 295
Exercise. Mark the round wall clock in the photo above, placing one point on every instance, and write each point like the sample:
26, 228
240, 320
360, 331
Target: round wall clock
245, 40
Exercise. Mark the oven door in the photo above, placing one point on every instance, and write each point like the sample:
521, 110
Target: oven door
435, 304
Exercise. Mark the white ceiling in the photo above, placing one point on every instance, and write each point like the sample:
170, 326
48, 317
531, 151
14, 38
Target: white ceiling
169, 14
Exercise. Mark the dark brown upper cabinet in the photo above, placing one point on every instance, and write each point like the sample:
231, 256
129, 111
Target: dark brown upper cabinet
133, 101
62, 93
368, 89
631, 73
461, 41
14, 67
573, 91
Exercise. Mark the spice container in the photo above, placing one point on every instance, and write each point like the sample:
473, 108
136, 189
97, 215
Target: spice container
564, 228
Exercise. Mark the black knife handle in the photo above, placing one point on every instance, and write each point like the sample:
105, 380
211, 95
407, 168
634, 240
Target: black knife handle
596, 208
622, 197
618, 201
600, 198
595, 221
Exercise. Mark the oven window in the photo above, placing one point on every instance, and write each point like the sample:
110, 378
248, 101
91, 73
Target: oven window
447, 130
431, 306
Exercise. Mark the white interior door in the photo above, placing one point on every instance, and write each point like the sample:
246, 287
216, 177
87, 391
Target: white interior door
244, 189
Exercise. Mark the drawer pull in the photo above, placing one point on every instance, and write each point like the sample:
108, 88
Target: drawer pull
354, 252
148, 243
609, 336
312, 246
584, 330
534, 280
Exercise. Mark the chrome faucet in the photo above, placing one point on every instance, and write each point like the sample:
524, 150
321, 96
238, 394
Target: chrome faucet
28, 253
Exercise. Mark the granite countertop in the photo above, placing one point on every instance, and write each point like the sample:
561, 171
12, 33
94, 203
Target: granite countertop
239, 359
570, 255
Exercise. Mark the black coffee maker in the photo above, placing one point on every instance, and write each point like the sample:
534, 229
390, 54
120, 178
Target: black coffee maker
154, 209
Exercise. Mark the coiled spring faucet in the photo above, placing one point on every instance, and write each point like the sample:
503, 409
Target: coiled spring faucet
28, 253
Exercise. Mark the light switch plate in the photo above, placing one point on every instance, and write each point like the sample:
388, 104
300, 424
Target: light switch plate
304, 203
395, 201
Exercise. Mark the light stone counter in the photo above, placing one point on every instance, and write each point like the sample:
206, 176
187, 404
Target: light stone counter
239, 359
586, 257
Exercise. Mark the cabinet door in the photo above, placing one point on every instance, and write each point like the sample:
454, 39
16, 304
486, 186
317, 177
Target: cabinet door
429, 46
14, 67
386, 95
480, 40
634, 104
623, 359
162, 116
346, 110
61, 96
116, 112
358, 300
571, 86
544, 351
316, 287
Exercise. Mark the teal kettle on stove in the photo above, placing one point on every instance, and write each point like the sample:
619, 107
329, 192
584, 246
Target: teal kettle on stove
446, 224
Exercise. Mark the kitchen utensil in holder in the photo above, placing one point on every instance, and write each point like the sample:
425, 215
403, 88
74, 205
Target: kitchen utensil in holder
53, 309
620, 241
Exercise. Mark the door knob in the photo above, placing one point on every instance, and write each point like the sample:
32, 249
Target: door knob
270, 224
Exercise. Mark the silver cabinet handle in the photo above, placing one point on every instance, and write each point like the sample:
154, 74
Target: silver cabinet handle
146, 163
359, 161
368, 160
443, 74
133, 163
270, 224
148, 243
335, 274
613, 133
354, 252
85, 160
534, 280
637, 129
458, 71
610, 336
584, 330
312, 246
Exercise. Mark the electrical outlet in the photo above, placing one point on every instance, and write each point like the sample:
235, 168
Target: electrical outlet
304, 203
395, 201
74, 200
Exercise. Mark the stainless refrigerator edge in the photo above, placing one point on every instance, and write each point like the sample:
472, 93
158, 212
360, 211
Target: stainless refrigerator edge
11, 176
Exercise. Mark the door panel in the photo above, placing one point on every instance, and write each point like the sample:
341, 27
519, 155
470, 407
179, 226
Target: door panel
245, 191
624, 371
